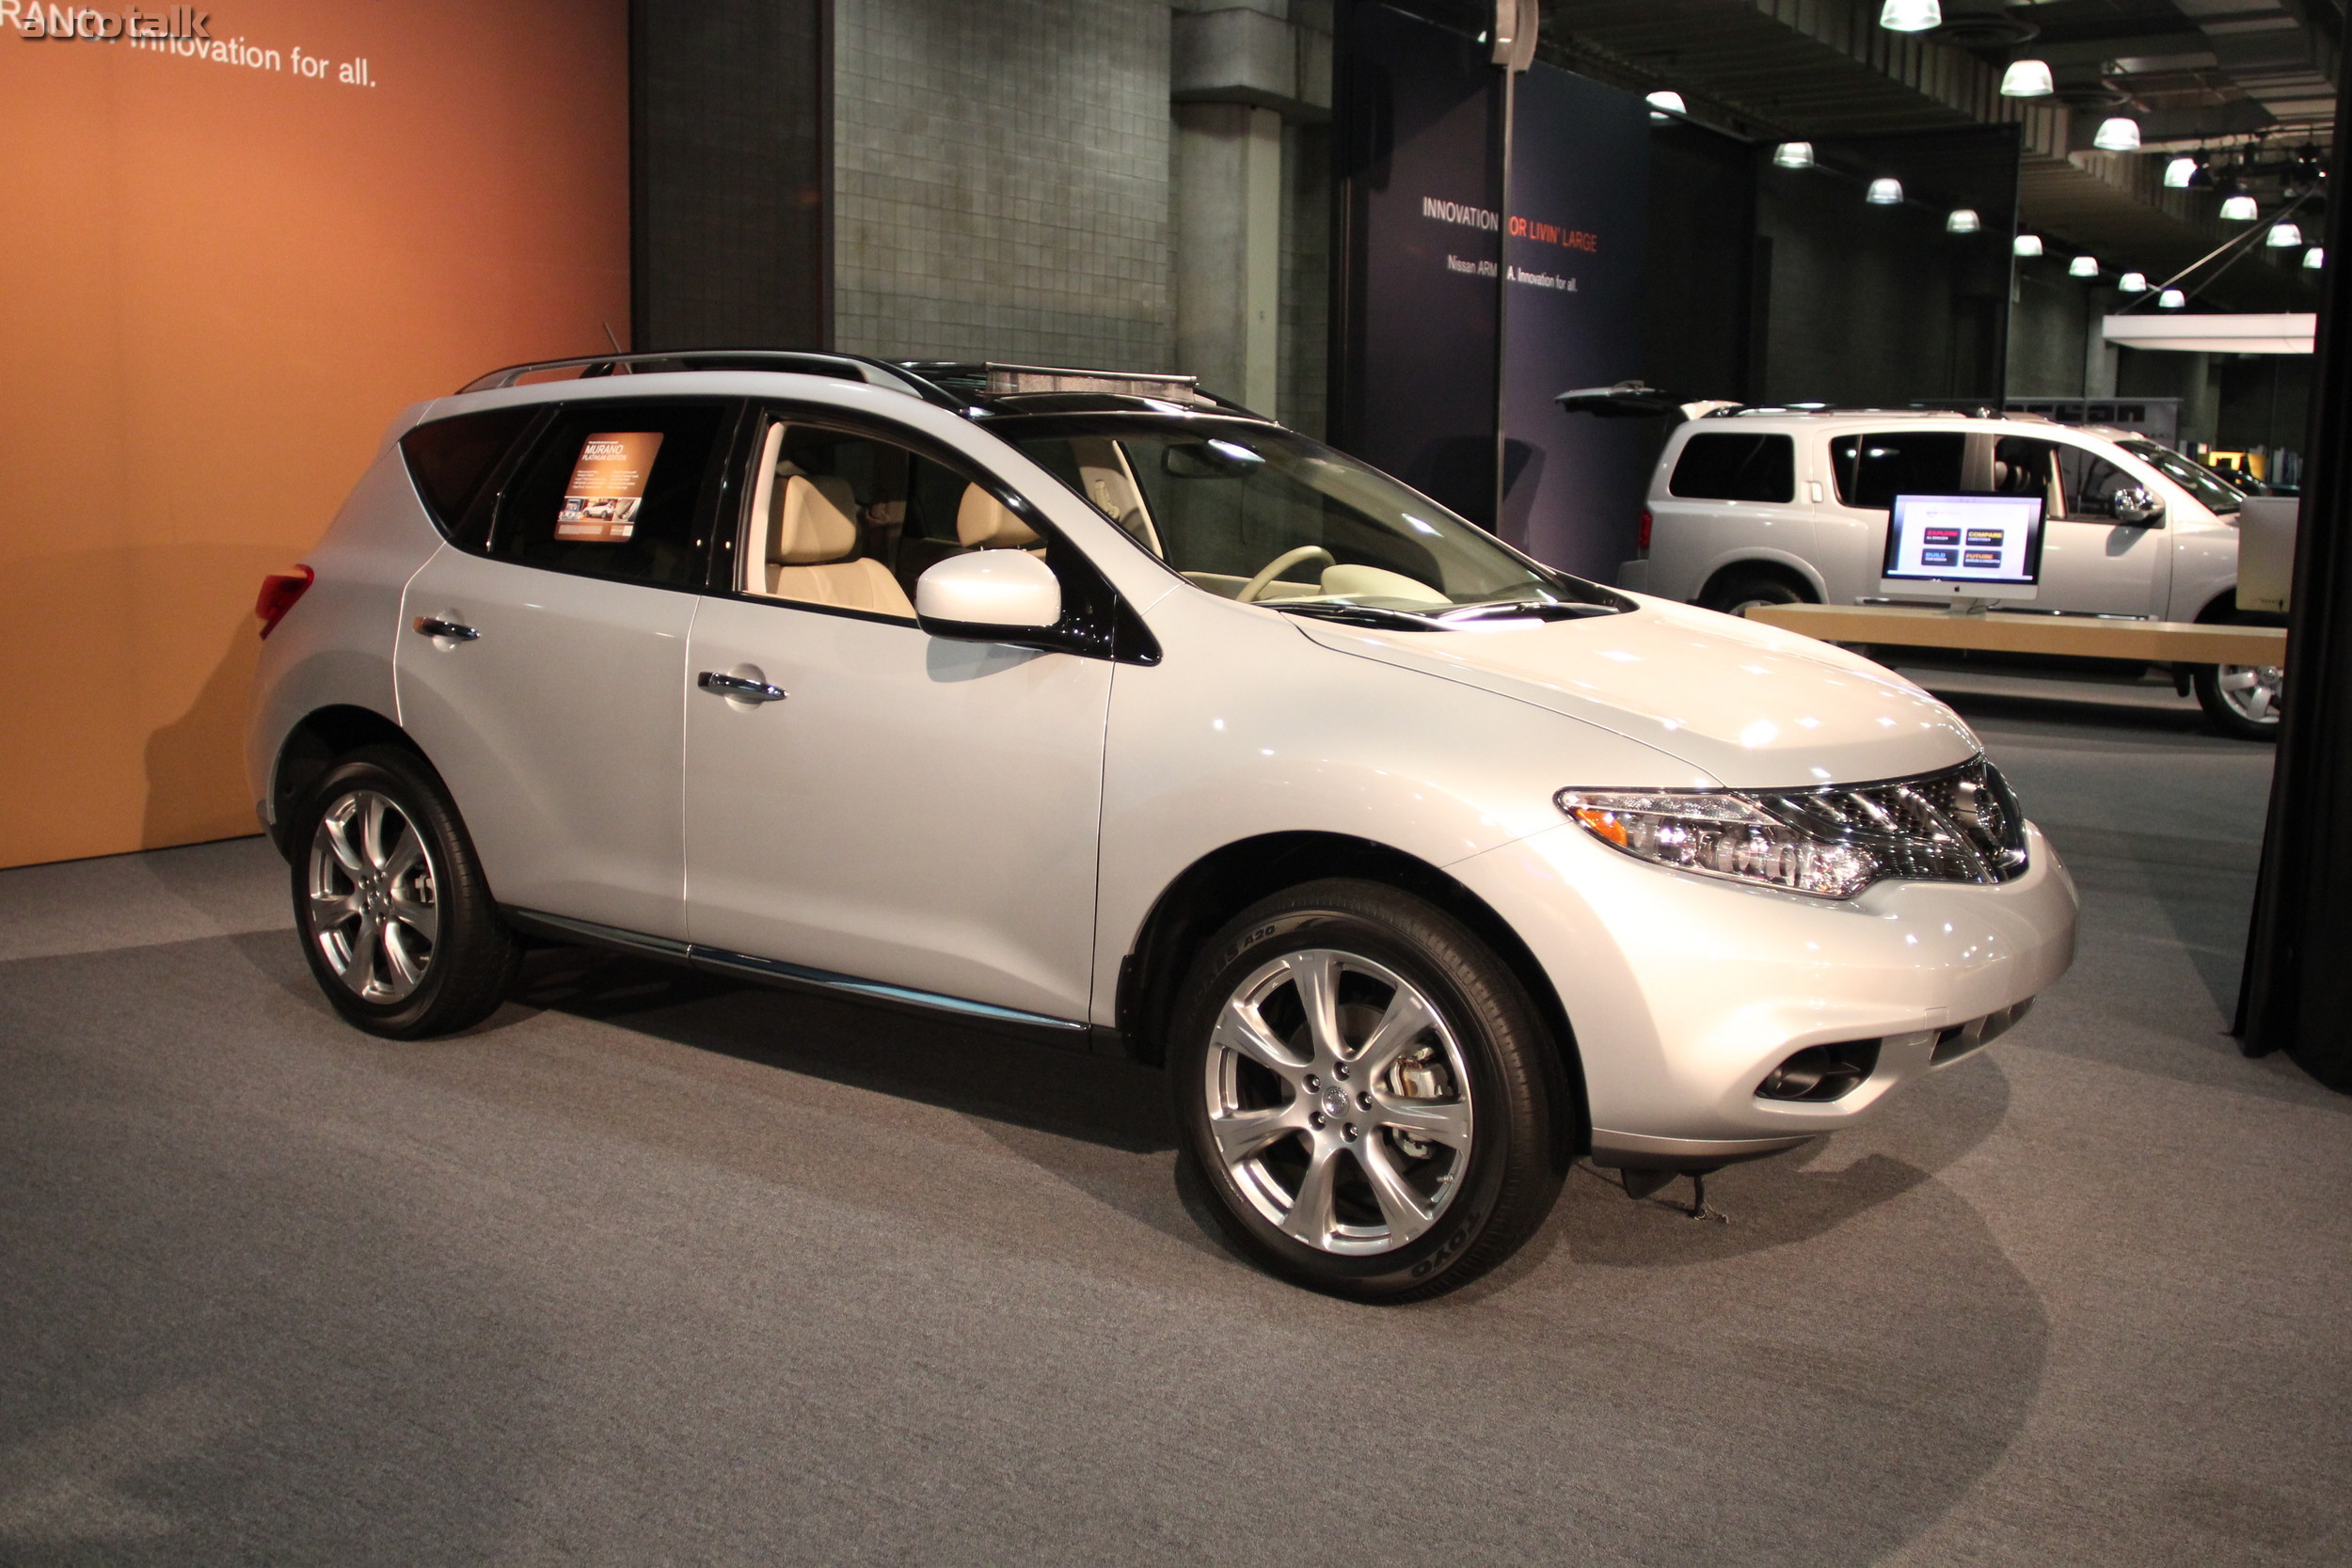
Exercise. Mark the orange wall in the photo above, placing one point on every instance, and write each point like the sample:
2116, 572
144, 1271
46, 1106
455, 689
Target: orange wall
218, 283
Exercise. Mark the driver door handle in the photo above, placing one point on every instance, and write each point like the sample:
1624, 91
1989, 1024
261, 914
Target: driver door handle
740, 689
433, 625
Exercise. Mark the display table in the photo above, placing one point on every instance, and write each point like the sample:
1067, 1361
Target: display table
2079, 635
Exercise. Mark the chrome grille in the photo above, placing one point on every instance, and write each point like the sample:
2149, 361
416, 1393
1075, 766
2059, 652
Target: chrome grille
1960, 824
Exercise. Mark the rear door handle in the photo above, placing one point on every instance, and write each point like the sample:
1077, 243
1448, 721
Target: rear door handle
738, 690
433, 625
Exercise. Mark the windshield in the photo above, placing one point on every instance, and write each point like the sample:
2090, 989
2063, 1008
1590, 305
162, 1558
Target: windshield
1257, 513
2215, 493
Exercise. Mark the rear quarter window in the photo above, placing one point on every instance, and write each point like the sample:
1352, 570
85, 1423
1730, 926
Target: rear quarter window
451, 461
1736, 465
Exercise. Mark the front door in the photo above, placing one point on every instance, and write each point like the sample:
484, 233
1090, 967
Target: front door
544, 671
2092, 564
869, 801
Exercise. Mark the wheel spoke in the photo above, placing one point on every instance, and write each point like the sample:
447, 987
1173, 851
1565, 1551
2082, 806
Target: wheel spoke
404, 968
2258, 703
2237, 677
330, 910
1309, 1219
1444, 1121
1317, 977
347, 854
1407, 1019
1402, 1206
1240, 1029
405, 856
418, 916
366, 936
1241, 1133
372, 840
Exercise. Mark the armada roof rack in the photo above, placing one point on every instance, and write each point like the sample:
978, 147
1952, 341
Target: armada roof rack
983, 381
844, 367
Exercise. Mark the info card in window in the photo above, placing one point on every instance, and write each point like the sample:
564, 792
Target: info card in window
608, 487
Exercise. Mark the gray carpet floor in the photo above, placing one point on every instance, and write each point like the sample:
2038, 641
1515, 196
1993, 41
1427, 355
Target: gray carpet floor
651, 1269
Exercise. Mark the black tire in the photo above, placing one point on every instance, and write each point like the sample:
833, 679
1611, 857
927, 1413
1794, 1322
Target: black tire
370, 914
1733, 595
2222, 693
1485, 1200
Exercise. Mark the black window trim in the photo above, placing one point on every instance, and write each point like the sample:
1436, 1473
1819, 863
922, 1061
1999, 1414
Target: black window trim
1105, 625
1787, 445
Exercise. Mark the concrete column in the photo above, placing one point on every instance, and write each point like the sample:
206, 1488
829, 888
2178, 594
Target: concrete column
2200, 402
2100, 358
1228, 249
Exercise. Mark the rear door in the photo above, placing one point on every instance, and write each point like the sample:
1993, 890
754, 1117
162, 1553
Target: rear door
541, 660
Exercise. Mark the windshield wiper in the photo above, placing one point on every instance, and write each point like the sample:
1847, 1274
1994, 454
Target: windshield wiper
1538, 610
1357, 615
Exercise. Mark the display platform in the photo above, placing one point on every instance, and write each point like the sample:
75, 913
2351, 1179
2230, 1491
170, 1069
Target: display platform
2012, 632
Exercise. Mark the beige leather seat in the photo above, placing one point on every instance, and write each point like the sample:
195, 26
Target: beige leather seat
985, 523
812, 531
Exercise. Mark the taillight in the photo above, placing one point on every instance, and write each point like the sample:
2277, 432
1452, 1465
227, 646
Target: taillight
279, 590
1640, 534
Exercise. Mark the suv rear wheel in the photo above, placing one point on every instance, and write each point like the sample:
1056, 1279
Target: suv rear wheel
2244, 700
1365, 1091
395, 915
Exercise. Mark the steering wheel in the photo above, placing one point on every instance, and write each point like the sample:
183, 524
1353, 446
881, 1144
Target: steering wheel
1280, 564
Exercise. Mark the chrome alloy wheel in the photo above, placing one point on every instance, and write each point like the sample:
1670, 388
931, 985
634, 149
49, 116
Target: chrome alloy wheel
371, 907
2253, 691
1339, 1101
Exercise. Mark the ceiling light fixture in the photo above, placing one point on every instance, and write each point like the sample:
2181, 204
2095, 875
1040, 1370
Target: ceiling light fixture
2116, 133
1885, 193
2315, 257
1667, 100
1911, 15
2133, 282
2240, 208
1962, 220
2171, 299
2083, 266
1793, 154
2025, 244
2282, 236
2028, 79
2179, 172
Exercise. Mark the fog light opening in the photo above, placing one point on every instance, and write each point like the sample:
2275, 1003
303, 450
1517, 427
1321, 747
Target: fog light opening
1821, 1072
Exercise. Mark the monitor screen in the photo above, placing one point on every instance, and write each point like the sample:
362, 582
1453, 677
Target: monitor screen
1991, 540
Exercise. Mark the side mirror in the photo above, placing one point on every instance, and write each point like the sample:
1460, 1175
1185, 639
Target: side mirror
990, 596
2136, 506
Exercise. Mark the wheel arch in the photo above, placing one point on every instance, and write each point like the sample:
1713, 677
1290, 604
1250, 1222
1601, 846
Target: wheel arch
311, 747
1798, 574
1222, 883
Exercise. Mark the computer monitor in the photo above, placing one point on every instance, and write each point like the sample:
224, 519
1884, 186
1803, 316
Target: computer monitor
1963, 548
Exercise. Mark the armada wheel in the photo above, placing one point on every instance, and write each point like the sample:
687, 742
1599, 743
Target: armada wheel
393, 912
1737, 596
2244, 700
1366, 1093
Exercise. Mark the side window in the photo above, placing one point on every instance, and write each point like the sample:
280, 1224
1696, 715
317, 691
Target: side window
2023, 465
1873, 470
850, 520
1736, 467
2090, 481
452, 460
617, 490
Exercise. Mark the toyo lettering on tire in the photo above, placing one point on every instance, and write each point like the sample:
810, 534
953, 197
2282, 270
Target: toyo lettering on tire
1366, 1093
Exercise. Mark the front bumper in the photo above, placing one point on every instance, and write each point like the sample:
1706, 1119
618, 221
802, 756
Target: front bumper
1685, 991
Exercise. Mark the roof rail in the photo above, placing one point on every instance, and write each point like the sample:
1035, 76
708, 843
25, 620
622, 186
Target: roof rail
843, 367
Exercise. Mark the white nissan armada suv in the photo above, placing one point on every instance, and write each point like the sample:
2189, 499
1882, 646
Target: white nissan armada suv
1788, 505
1094, 709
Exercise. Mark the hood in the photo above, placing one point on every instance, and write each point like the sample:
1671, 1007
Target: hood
1752, 707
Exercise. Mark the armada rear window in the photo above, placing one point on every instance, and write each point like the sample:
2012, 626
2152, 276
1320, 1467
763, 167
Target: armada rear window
452, 460
1736, 467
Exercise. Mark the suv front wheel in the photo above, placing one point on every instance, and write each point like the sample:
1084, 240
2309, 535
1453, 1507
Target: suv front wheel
394, 912
1366, 1093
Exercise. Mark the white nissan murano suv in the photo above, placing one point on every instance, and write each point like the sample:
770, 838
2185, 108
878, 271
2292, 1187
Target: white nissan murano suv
1095, 709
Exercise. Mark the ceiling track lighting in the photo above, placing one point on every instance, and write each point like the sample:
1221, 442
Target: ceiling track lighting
2315, 257
1793, 154
2116, 133
1886, 191
2171, 299
2083, 266
2239, 207
1664, 105
2283, 235
1911, 15
2179, 172
2133, 282
2028, 79
2025, 244
1962, 220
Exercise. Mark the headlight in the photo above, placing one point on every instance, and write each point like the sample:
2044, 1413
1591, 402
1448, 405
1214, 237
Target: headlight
1960, 824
